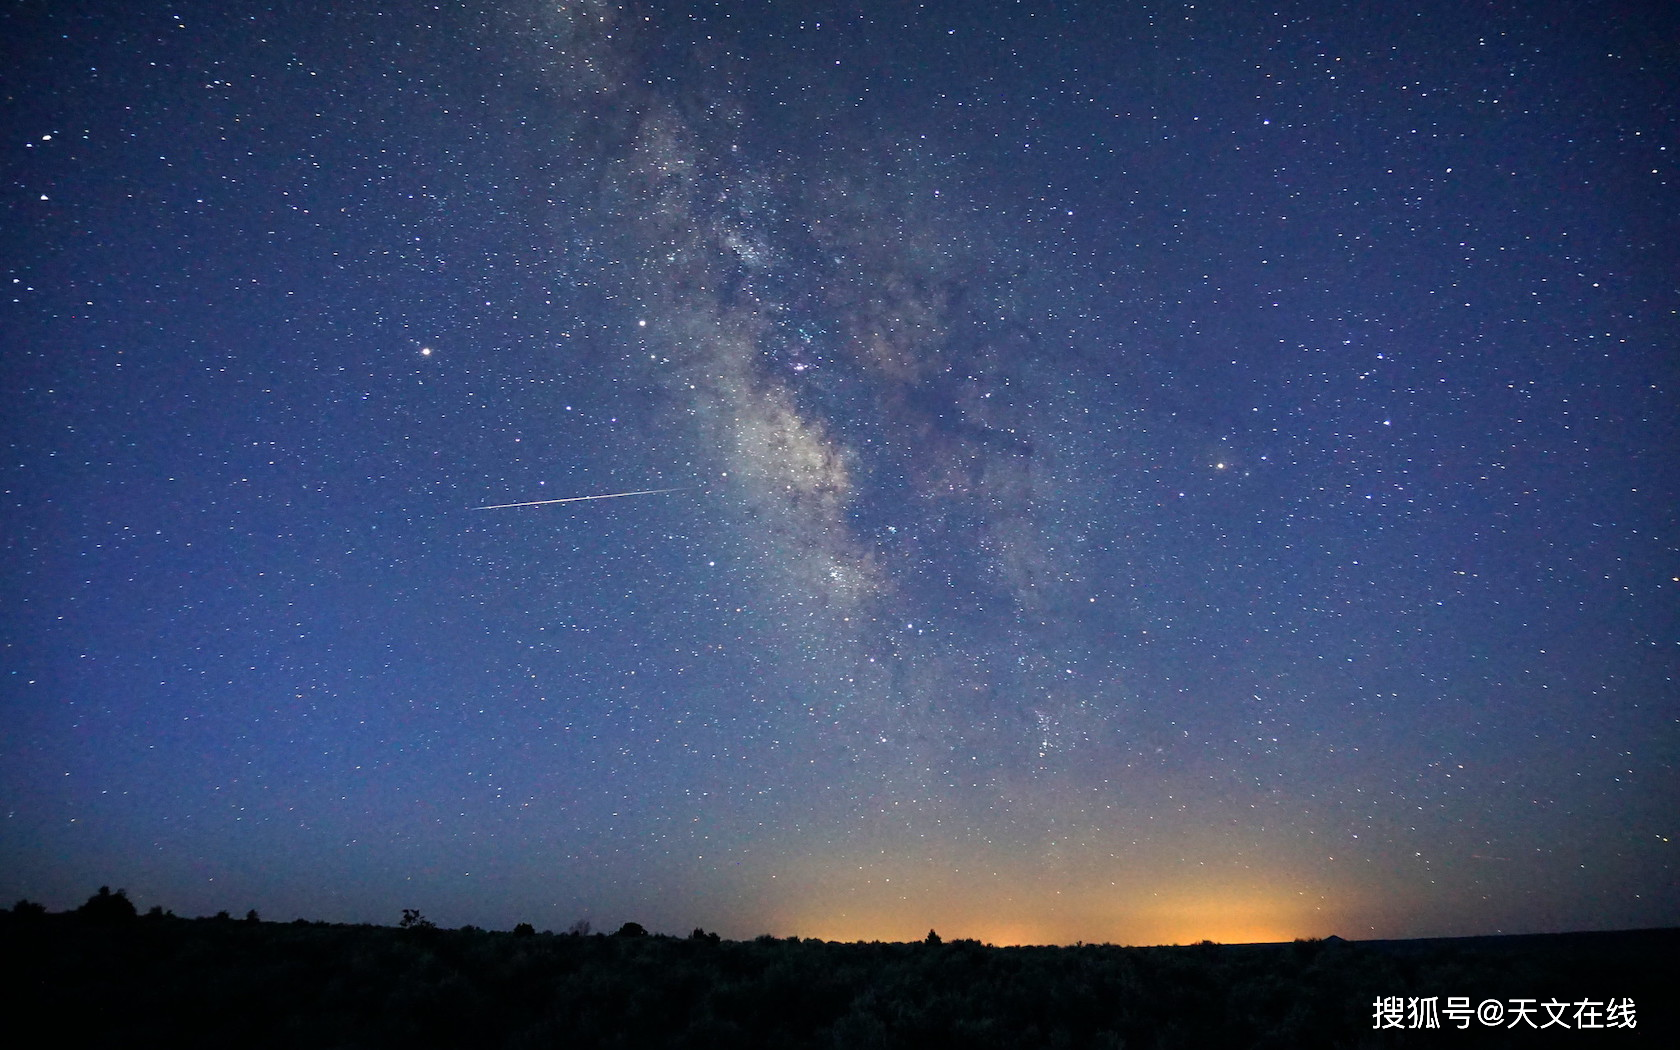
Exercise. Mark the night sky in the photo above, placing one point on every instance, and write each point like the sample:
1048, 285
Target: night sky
1135, 472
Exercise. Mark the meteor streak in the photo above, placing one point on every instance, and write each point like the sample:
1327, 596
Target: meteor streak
577, 499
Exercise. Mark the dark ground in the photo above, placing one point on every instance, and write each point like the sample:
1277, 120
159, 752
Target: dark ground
106, 977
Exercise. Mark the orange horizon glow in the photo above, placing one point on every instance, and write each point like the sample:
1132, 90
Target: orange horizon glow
1198, 885
1001, 914
1011, 933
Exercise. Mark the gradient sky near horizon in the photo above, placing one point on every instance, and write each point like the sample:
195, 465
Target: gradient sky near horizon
1139, 472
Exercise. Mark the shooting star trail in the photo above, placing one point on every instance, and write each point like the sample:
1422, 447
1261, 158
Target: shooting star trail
577, 499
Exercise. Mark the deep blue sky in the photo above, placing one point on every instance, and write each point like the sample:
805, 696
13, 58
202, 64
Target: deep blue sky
1143, 472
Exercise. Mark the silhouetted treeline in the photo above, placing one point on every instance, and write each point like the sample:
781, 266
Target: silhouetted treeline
105, 976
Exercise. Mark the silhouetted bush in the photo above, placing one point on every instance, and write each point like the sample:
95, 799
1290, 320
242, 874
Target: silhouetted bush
631, 929
108, 907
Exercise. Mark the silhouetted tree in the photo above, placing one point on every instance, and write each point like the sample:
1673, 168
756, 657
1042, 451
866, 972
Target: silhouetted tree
631, 929
579, 928
933, 938
28, 909
252, 916
106, 906
413, 920
524, 930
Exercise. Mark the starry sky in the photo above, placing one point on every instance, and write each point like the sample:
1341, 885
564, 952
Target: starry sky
1129, 472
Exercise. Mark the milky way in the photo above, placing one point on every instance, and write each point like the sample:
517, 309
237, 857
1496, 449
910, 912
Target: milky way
859, 387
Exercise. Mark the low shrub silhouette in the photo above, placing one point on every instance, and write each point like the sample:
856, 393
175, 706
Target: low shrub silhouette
108, 907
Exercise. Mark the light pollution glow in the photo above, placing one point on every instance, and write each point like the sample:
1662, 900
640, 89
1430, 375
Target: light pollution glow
1043, 901
1228, 914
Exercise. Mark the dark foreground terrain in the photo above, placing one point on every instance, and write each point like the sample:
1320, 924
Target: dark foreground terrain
104, 976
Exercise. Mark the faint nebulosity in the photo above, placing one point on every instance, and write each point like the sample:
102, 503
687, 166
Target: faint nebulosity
1124, 473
